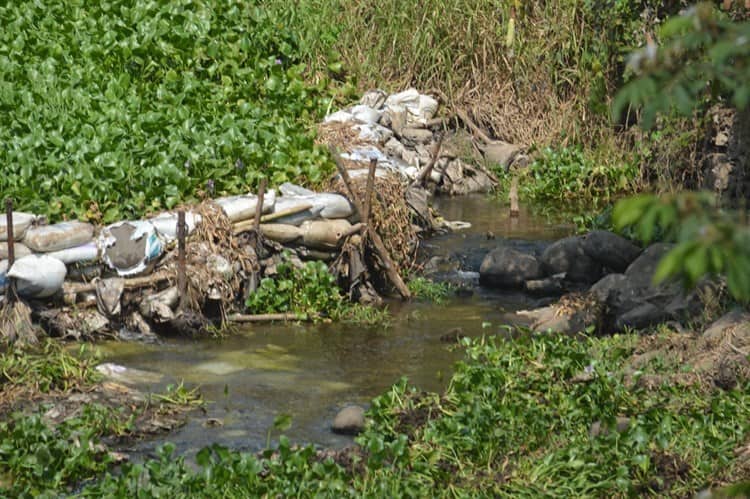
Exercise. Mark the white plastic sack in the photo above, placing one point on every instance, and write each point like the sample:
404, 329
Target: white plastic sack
83, 253
296, 219
339, 117
366, 114
21, 222
242, 207
38, 276
372, 132
20, 250
64, 235
374, 98
130, 248
328, 205
290, 189
419, 108
166, 223
3, 276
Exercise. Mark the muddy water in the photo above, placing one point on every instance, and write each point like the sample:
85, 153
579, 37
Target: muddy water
311, 371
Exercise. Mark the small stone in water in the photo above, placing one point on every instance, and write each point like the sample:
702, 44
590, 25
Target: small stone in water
349, 421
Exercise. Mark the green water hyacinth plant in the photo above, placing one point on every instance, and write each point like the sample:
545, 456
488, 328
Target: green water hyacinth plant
117, 108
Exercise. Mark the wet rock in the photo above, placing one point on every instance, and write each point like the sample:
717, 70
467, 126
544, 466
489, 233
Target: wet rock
500, 153
605, 287
610, 250
349, 421
506, 267
453, 336
549, 286
416, 136
573, 313
567, 256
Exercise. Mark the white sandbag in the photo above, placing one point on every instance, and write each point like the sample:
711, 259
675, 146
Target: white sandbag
324, 234
47, 238
84, 253
372, 132
339, 117
419, 108
242, 207
327, 204
130, 248
20, 250
281, 233
38, 276
21, 222
290, 189
166, 223
297, 218
366, 114
374, 99
3, 276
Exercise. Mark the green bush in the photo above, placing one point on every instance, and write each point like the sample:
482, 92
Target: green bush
112, 109
569, 178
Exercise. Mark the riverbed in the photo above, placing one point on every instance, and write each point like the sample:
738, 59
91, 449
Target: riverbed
311, 371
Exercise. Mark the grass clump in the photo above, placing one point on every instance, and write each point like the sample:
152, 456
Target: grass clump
310, 292
189, 97
426, 289
568, 177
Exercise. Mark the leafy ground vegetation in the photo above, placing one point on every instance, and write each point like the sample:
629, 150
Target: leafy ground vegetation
538, 416
116, 108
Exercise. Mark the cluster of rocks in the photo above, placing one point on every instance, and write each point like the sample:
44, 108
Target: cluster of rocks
609, 281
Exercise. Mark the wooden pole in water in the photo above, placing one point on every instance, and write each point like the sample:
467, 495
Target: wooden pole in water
181, 270
368, 192
514, 197
10, 294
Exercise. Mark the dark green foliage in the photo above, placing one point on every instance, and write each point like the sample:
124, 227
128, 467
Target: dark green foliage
703, 55
708, 241
112, 109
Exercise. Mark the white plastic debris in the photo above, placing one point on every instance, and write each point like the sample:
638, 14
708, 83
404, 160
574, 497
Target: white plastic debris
365, 114
84, 253
21, 222
339, 117
374, 99
372, 132
3, 276
38, 276
19, 250
242, 207
166, 223
419, 108
64, 235
130, 248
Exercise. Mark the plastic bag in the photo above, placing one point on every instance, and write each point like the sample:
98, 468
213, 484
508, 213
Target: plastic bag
47, 238
21, 222
83, 253
38, 276
130, 248
166, 223
242, 207
419, 108
19, 250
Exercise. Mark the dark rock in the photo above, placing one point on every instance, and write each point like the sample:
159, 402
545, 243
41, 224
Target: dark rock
453, 336
349, 421
604, 287
610, 250
641, 316
549, 286
567, 256
508, 267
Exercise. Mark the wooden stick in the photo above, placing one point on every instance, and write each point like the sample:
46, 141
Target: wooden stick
473, 127
433, 160
10, 293
133, 283
368, 191
181, 271
514, 197
241, 318
390, 267
259, 206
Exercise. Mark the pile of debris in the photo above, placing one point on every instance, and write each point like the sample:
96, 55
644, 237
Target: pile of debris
175, 271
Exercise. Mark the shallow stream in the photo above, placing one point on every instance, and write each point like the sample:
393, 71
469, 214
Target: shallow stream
312, 371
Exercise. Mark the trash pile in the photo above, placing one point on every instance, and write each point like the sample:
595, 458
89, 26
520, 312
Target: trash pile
402, 133
136, 279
